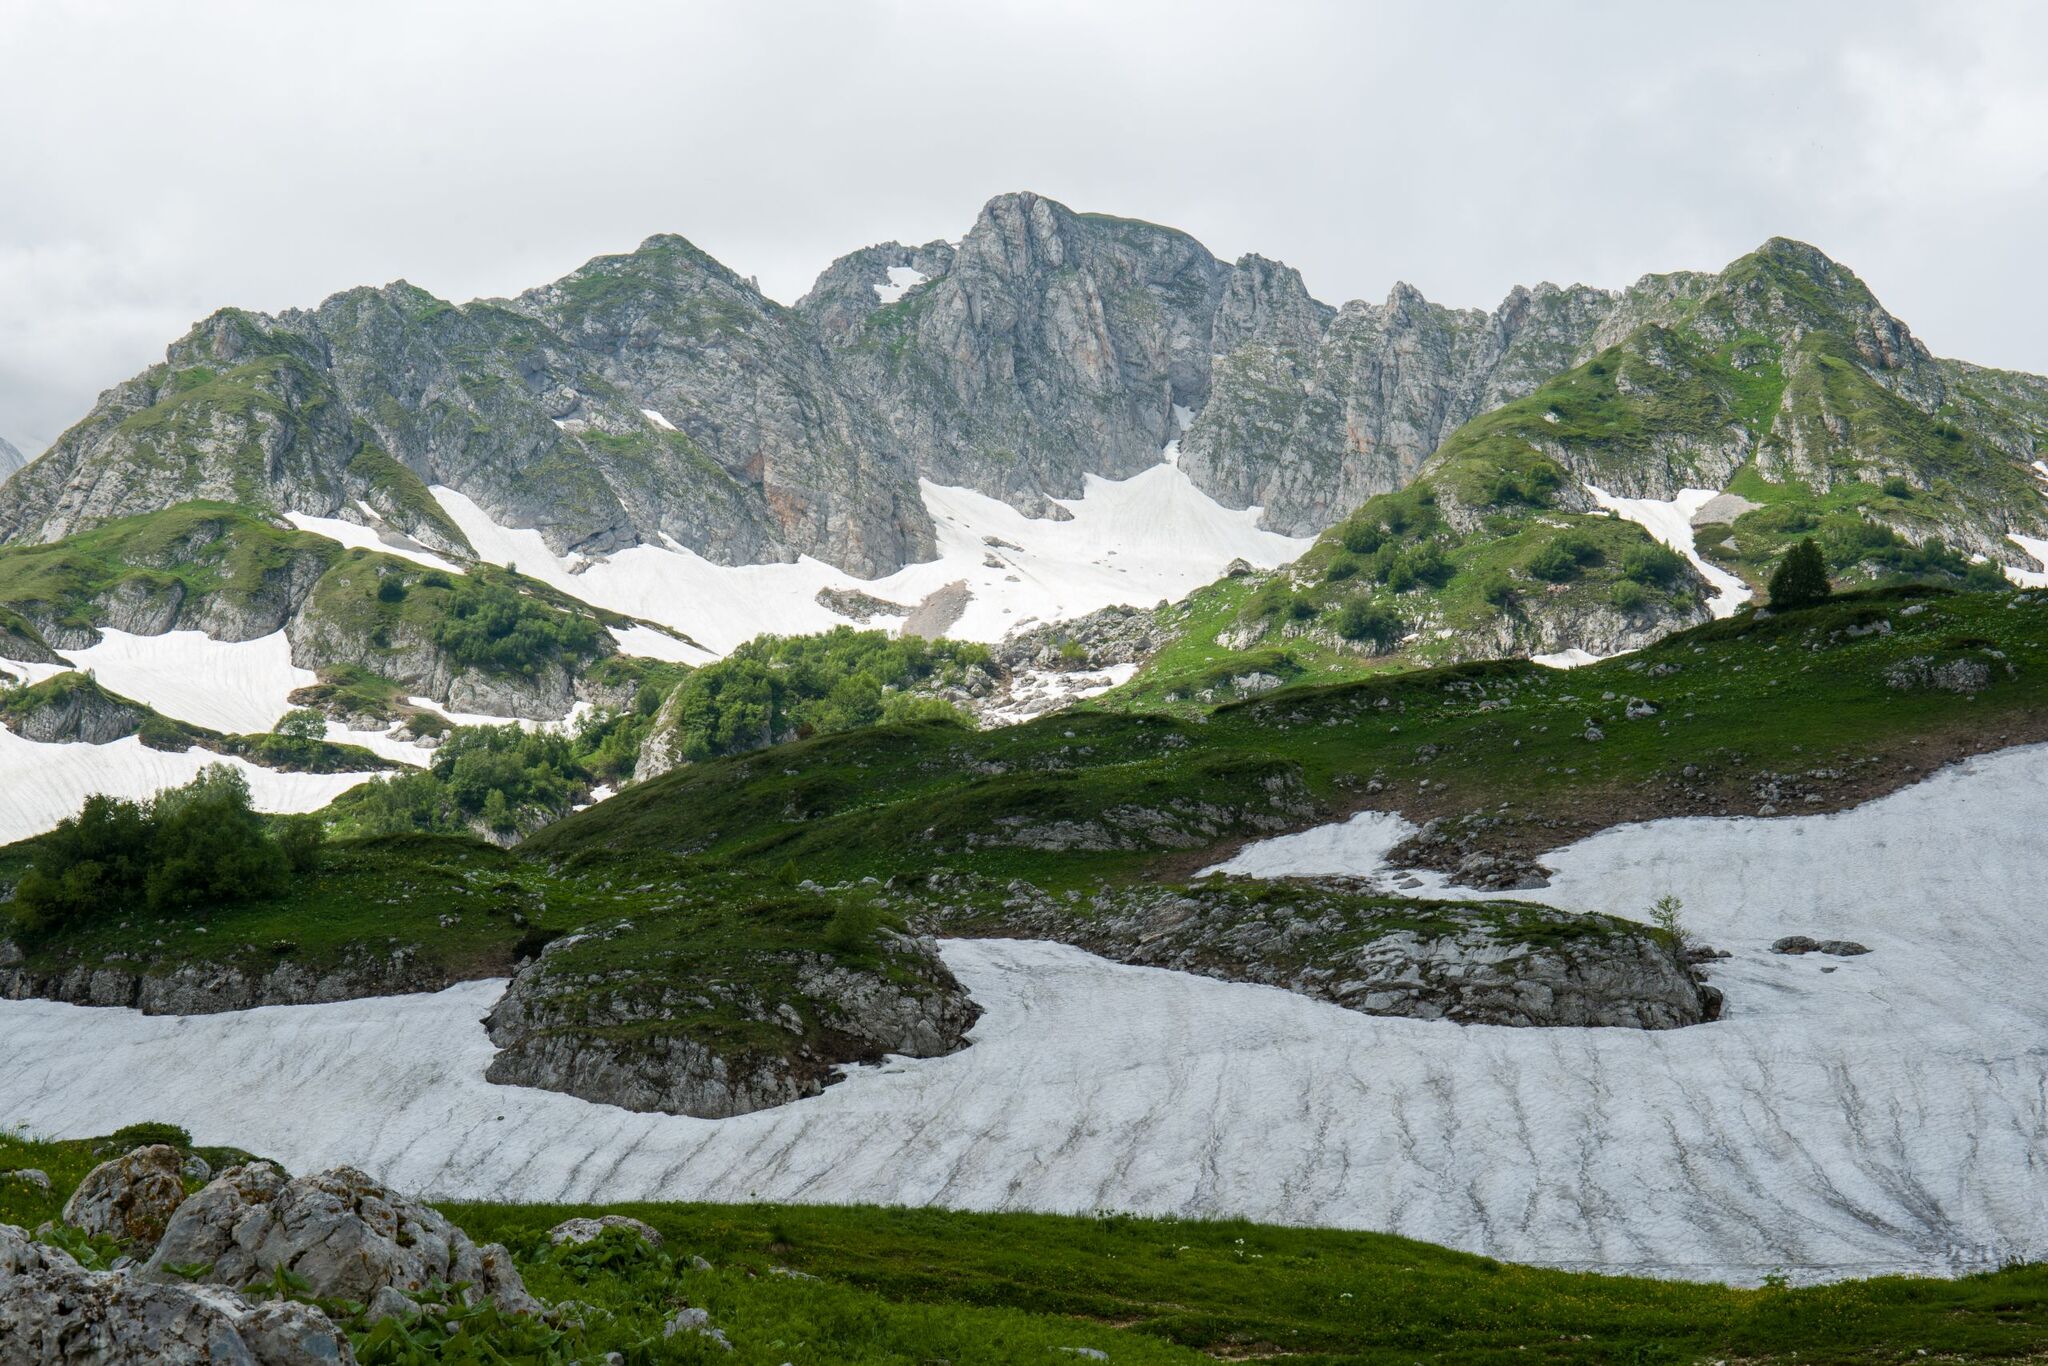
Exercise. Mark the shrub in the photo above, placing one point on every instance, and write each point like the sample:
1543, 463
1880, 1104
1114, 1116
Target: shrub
1341, 568
303, 724
493, 627
1629, 595
1656, 565
391, 588
1896, 487
301, 837
1553, 564
1497, 589
1801, 578
774, 688
202, 843
1361, 538
1362, 619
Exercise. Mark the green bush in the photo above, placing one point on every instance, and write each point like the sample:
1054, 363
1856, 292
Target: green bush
1897, 487
776, 688
1656, 565
492, 626
1341, 568
1361, 538
1497, 589
200, 844
1629, 596
1363, 619
1553, 564
303, 724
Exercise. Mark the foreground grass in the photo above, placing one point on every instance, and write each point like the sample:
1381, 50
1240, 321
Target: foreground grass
915, 1286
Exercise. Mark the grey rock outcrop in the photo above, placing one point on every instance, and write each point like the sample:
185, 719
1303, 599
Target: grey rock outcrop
346, 1234
578, 1231
1500, 963
11, 459
71, 708
54, 1312
206, 989
610, 1036
130, 1198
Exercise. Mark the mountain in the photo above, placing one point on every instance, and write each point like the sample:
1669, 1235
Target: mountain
1708, 423
10, 459
656, 398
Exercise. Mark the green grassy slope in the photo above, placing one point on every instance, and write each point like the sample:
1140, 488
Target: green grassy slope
1736, 702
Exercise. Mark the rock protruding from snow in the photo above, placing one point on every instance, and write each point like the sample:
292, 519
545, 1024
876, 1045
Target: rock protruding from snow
131, 1198
1508, 963
53, 1310
558, 1028
346, 1234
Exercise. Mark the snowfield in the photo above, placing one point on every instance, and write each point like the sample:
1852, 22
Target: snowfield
902, 279
237, 687
1848, 1117
42, 784
1131, 541
356, 536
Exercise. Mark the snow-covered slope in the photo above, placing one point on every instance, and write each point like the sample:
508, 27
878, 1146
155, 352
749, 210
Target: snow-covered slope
1848, 1117
239, 687
1132, 541
42, 784
356, 536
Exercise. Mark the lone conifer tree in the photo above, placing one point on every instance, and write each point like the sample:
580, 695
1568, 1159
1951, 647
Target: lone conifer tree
1801, 578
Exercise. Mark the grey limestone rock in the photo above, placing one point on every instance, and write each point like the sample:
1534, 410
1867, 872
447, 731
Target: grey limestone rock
54, 1313
130, 1198
347, 1234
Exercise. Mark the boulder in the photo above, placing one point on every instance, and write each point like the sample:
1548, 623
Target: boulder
347, 1235
131, 1198
697, 1321
28, 1176
1799, 943
576, 1232
52, 1310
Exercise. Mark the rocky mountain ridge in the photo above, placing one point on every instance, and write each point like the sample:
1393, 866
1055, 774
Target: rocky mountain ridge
656, 397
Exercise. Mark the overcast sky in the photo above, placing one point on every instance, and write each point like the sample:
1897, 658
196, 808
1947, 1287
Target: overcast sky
160, 160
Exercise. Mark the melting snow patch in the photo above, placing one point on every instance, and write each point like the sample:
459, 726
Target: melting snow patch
356, 536
649, 643
1671, 523
241, 687
41, 784
2030, 578
657, 419
901, 280
1567, 659
1131, 541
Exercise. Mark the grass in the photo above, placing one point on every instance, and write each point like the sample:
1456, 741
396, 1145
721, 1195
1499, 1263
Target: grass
889, 1285
1734, 699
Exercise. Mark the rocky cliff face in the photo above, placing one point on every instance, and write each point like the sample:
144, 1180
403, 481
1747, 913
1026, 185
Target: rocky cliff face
1308, 422
655, 396
1046, 346
11, 459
